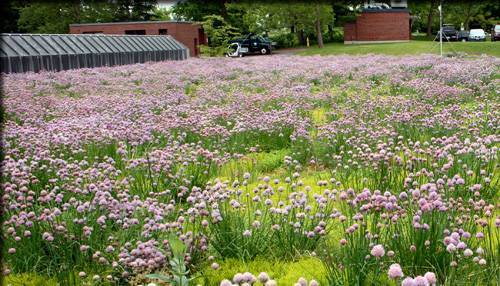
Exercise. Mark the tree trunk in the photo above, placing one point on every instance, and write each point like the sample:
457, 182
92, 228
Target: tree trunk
318, 28
320, 35
302, 39
467, 17
430, 17
292, 29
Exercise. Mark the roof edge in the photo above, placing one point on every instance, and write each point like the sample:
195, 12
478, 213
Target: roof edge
82, 35
393, 10
132, 22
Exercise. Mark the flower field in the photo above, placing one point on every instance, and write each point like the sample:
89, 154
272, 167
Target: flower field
272, 170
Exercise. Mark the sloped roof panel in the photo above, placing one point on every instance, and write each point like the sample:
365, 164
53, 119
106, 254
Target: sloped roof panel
114, 49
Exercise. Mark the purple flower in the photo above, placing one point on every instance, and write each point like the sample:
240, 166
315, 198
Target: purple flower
263, 277
238, 278
378, 251
431, 278
302, 281
395, 271
420, 281
408, 281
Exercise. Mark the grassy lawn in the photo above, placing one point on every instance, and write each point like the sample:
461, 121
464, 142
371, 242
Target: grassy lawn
410, 48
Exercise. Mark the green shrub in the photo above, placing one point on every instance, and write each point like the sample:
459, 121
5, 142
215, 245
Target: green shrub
285, 40
335, 35
212, 51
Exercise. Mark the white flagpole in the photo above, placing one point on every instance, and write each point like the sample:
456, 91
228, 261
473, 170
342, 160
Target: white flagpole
441, 27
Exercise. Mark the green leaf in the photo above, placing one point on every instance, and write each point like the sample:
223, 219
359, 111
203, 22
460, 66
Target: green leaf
161, 277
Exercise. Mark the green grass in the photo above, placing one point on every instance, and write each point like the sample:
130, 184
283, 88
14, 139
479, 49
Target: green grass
285, 273
28, 279
410, 48
255, 163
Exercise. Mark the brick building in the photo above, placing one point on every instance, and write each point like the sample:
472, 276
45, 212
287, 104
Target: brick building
379, 25
188, 33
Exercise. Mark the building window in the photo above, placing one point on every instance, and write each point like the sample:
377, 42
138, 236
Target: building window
162, 32
92, 32
135, 32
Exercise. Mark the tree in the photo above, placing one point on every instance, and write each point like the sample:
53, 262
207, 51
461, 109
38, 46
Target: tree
134, 10
323, 17
469, 14
97, 12
306, 18
48, 17
55, 17
256, 18
466, 13
218, 32
161, 14
300, 18
318, 28
430, 16
10, 15
196, 10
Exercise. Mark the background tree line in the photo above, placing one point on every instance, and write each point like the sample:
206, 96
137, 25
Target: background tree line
322, 21
462, 14
288, 24
21, 16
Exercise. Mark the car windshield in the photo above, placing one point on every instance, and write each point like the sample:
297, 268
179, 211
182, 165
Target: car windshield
497, 28
477, 32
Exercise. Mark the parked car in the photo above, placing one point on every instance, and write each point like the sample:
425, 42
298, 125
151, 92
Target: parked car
495, 33
252, 44
377, 6
463, 36
449, 33
477, 35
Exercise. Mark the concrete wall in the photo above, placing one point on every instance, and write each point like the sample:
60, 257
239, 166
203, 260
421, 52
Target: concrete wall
191, 35
379, 26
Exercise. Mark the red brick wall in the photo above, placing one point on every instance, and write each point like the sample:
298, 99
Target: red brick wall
379, 26
186, 33
350, 32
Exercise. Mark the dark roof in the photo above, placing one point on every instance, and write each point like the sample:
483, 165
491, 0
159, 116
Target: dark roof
135, 22
35, 52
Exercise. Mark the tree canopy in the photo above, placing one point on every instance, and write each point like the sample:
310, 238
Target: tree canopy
465, 14
55, 17
288, 23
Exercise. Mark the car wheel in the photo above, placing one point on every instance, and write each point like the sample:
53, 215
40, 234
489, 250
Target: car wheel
263, 51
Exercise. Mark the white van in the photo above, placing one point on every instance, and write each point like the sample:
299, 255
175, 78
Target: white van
477, 35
